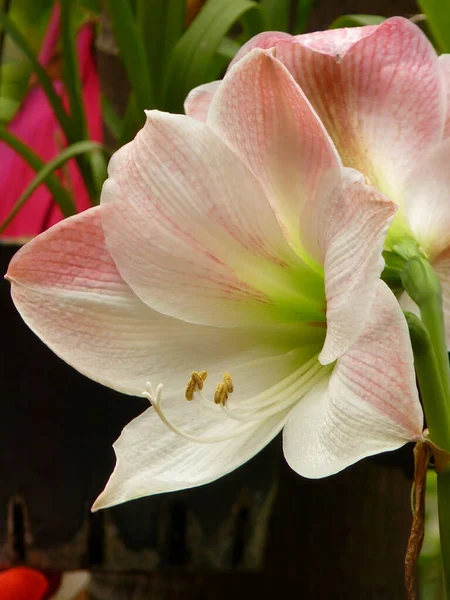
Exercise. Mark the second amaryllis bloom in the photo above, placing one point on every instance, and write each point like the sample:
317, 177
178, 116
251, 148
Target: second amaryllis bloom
242, 282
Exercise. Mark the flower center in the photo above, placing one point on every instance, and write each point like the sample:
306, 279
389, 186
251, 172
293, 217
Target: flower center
246, 413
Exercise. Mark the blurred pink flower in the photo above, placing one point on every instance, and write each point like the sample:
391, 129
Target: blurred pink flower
36, 125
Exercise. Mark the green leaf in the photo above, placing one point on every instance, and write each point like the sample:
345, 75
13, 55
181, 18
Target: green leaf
59, 193
8, 108
132, 52
44, 176
131, 121
276, 14
113, 120
438, 19
302, 14
92, 167
44, 80
228, 48
71, 73
191, 58
160, 25
356, 21
226, 51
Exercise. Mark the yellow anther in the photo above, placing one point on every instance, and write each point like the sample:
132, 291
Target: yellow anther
221, 394
224, 388
195, 382
228, 382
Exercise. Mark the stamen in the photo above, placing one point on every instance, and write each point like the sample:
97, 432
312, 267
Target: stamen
277, 399
228, 382
155, 398
224, 388
195, 383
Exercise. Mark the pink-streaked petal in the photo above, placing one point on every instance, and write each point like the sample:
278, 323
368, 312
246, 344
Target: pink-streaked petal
193, 234
265, 118
379, 92
444, 61
199, 99
369, 404
264, 40
69, 292
345, 229
442, 268
323, 209
426, 200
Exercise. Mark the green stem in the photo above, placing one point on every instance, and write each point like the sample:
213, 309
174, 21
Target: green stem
423, 286
434, 399
443, 486
433, 373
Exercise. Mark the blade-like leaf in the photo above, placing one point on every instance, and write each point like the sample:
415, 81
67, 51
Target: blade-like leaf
112, 119
276, 14
356, 21
71, 72
191, 58
302, 14
59, 193
228, 48
160, 25
44, 175
44, 80
131, 121
132, 52
91, 167
438, 19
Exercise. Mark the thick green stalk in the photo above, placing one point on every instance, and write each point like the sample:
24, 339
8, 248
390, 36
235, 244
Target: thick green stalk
433, 373
443, 482
434, 398
423, 286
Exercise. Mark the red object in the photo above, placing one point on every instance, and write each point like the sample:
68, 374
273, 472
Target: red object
36, 125
23, 583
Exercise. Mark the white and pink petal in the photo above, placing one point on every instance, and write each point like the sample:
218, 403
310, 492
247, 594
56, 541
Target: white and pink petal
330, 217
369, 404
69, 292
263, 115
444, 61
152, 458
348, 226
426, 200
378, 90
199, 99
442, 267
192, 233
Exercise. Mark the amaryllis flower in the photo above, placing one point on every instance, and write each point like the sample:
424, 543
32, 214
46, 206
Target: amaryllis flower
243, 284
36, 125
383, 95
